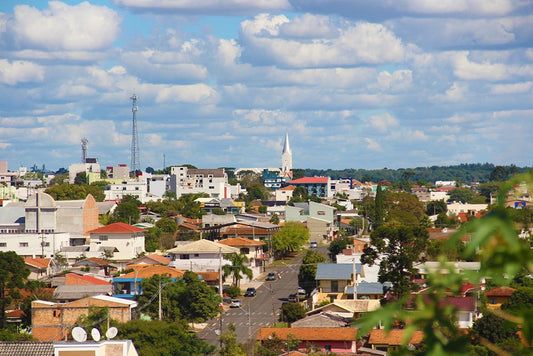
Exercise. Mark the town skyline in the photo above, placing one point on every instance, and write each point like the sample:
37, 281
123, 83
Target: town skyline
219, 84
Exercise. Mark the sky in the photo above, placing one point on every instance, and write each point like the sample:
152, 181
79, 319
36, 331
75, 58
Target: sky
355, 83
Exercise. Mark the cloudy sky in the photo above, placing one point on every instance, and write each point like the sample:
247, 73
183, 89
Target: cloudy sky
355, 83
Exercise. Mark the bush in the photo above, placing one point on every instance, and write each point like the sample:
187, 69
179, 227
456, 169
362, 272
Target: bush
233, 291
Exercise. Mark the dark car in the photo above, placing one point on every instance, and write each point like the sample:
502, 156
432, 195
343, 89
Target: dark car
250, 292
271, 276
293, 298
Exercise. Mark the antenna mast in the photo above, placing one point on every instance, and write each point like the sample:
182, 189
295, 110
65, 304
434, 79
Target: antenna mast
84, 145
135, 165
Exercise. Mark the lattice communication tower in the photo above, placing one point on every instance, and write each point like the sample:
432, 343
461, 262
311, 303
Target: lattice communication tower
84, 145
135, 159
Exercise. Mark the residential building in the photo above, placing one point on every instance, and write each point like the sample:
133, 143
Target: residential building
333, 279
90, 167
126, 241
54, 321
122, 171
284, 194
40, 268
324, 340
252, 249
320, 219
316, 186
390, 341
128, 285
81, 286
137, 189
201, 255
184, 180
321, 320
498, 296
349, 309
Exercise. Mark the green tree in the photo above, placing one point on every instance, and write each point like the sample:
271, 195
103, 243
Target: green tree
199, 301
399, 249
13, 274
498, 174
81, 179
238, 266
444, 221
337, 246
152, 239
230, 346
436, 207
403, 208
156, 338
461, 195
520, 301
126, 212
379, 207
274, 219
171, 310
97, 318
307, 273
494, 328
290, 312
289, 238
167, 225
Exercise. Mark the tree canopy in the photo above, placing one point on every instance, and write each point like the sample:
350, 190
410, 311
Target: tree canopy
307, 273
237, 267
290, 237
13, 274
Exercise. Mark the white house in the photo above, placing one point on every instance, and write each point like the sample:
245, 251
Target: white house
254, 251
126, 240
200, 256
184, 180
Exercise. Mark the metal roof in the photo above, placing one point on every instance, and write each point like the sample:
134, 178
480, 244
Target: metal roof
336, 271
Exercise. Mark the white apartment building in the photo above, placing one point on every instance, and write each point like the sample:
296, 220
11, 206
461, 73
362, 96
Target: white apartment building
91, 167
136, 189
214, 182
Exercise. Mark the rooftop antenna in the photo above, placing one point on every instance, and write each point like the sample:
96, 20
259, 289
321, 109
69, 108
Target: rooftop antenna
135, 165
84, 145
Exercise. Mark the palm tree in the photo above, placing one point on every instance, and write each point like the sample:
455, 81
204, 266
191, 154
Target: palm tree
238, 266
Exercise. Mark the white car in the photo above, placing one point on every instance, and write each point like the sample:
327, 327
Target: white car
313, 244
235, 303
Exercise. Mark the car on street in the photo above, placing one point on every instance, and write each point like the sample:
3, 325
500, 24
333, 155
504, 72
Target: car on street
250, 292
293, 298
313, 244
271, 276
236, 303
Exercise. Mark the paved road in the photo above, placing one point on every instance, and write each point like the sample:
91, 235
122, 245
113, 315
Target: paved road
259, 311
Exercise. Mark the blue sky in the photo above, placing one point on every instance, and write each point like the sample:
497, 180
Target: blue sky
356, 84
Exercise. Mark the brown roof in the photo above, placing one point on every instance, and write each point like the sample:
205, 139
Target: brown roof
241, 241
394, 337
245, 230
117, 228
38, 262
309, 334
500, 292
158, 258
26, 348
151, 270
189, 226
208, 276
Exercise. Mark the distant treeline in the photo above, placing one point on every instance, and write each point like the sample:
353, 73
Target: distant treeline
465, 173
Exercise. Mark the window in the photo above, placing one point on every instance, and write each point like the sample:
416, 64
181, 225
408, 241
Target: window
103, 238
3, 244
46, 244
196, 255
136, 188
321, 212
184, 257
493, 301
23, 244
327, 348
57, 313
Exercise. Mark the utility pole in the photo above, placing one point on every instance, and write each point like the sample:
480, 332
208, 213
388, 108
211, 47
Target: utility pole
159, 297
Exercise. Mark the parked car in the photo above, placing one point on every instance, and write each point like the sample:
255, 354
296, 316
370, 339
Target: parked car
250, 292
236, 303
226, 300
313, 244
293, 298
271, 276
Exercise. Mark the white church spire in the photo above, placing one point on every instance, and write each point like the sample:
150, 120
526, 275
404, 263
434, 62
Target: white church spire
286, 158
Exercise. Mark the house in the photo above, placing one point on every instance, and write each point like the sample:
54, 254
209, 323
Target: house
348, 308
126, 240
128, 285
95, 265
382, 340
466, 310
322, 320
368, 290
284, 194
81, 286
90, 167
40, 268
334, 278
68, 348
54, 321
333, 340
254, 251
316, 186
200, 255
320, 219
497, 296
151, 259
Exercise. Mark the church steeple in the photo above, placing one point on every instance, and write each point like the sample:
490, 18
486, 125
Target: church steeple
286, 158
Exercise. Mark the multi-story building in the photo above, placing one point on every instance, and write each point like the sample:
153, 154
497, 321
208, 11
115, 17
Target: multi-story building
122, 171
90, 167
184, 180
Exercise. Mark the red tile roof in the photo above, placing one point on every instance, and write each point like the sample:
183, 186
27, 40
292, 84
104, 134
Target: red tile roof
38, 262
147, 271
309, 180
500, 292
117, 228
394, 337
158, 258
309, 334
240, 241
208, 276
89, 279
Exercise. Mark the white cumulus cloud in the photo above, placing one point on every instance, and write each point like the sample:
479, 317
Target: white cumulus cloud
15, 72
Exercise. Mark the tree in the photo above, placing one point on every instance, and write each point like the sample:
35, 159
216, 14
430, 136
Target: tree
156, 338
400, 206
13, 274
274, 219
397, 249
229, 344
307, 273
81, 179
152, 239
520, 301
494, 328
199, 302
337, 246
379, 207
167, 225
290, 237
126, 212
498, 174
238, 266
461, 195
436, 207
97, 318
290, 312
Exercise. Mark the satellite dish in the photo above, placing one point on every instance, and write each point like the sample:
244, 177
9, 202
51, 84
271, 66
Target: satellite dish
79, 334
111, 332
95, 334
